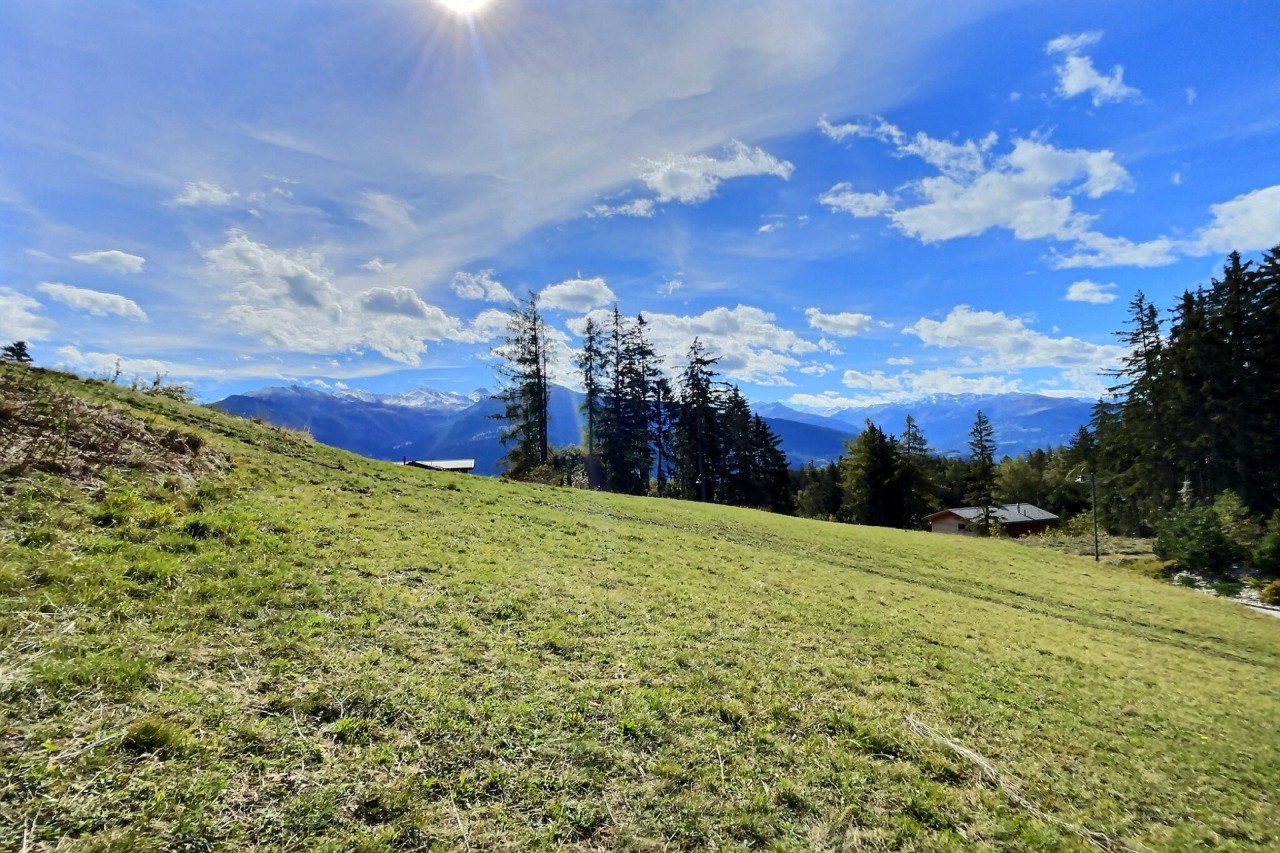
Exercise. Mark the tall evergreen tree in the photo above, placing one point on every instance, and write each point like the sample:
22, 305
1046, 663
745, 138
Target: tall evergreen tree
662, 422
739, 460
526, 392
869, 477
915, 480
982, 469
17, 352
698, 440
771, 486
591, 361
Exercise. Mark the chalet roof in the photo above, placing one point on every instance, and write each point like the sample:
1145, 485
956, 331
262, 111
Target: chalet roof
443, 464
1020, 513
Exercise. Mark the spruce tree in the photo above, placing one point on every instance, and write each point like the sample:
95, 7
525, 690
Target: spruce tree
982, 469
590, 360
698, 441
869, 478
525, 394
915, 479
16, 352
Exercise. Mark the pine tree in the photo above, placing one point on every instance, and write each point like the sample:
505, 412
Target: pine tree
590, 360
820, 495
915, 480
662, 420
772, 485
16, 352
526, 392
982, 469
869, 478
698, 442
739, 460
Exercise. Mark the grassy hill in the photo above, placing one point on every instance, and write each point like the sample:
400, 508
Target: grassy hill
218, 634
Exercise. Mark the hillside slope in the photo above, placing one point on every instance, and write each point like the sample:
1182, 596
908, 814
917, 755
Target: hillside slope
224, 635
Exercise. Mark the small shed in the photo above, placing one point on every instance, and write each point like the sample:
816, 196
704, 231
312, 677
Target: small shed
1017, 519
460, 466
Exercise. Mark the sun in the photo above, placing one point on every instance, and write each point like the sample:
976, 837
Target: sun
465, 8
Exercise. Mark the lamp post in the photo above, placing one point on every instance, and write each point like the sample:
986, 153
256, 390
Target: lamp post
1093, 504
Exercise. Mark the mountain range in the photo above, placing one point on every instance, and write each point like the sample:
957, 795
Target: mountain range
430, 424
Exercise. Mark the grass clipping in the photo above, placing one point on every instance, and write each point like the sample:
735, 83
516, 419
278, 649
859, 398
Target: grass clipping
988, 772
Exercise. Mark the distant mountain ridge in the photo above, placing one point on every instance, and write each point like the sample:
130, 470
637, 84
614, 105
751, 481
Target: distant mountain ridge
1022, 421
430, 424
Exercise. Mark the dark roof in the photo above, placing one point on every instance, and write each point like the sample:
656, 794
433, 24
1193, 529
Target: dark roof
1006, 514
443, 464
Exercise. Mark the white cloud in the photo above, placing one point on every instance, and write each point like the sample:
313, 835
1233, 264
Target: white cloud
1005, 343
202, 193
394, 300
112, 259
576, 294
693, 178
1021, 191
670, 287
1070, 44
386, 213
846, 324
842, 197
882, 388
18, 318
877, 129
1191, 96
816, 368
876, 380
769, 227
1248, 221
378, 265
1028, 191
1176, 179
480, 285
94, 302
947, 382
109, 364
1088, 291
1077, 74
640, 207
900, 361
750, 345
955, 160
490, 324
1098, 250
289, 300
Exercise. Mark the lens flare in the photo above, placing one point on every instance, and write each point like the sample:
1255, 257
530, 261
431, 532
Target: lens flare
466, 8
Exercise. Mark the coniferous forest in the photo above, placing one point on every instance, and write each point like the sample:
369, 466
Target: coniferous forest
1193, 415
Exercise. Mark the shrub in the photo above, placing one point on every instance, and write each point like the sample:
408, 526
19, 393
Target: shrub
1193, 538
1266, 554
1236, 523
1270, 594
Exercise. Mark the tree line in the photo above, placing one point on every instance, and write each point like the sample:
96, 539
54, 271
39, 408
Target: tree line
888, 480
1196, 406
696, 438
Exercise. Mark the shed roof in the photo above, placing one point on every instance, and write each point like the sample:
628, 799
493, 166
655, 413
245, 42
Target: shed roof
443, 464
1020, 513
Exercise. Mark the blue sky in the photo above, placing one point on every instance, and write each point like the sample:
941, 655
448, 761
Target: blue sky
850, 202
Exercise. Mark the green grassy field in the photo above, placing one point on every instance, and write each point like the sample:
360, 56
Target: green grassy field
239, 639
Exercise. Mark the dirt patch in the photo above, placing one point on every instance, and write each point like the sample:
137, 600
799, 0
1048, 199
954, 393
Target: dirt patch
43, 428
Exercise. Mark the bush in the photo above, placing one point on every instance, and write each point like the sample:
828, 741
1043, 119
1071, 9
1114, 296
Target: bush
1266, 554
1270, 594
1233, 515
1193, 538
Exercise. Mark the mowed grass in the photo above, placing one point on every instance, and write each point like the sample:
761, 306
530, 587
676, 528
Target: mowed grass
313, 651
